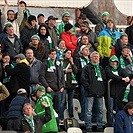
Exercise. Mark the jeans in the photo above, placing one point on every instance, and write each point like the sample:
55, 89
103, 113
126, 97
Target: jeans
62, 101
89, 101
82, 102
112, 106
70, 93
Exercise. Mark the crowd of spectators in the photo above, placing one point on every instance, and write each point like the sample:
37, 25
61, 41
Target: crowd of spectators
42, 63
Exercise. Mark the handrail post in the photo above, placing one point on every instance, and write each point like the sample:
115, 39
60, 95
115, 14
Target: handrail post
108, 107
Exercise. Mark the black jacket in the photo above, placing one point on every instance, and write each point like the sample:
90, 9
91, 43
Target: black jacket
55, 79
129, 32
12, 49
78, 64
25, 35
20, 77
21, 125
93, 88
116, 83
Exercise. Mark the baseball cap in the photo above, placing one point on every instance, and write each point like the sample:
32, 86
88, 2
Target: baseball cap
21, 91
52, 18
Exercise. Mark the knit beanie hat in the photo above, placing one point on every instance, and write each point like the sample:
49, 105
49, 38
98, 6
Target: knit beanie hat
68, 26
7, 24
110, 19
41, 88
35, 36
64, 13
30, 18
86, 24
105, 14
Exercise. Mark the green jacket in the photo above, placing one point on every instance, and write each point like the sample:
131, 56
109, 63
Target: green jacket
50, 126
61, 28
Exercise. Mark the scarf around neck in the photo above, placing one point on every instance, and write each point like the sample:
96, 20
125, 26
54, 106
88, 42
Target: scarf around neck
30, 122
97, 71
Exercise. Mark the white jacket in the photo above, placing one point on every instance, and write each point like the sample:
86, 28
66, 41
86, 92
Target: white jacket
16, 23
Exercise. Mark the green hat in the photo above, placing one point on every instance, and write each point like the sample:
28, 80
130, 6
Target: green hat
110, 19
105, 14
41, 88
114, 58
35, 36
8, 24
64, 13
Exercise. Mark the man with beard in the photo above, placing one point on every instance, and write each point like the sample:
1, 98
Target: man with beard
65, 20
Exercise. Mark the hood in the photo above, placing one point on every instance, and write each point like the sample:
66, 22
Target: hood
29, 26
113, 58
47, 32
24, 61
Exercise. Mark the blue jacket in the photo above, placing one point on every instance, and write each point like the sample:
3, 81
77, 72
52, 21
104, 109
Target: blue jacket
16, 105
123, 122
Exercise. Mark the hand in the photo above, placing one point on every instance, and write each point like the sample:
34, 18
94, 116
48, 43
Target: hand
5, 64
49, 89
27, 132
18, 2
68, 71
62, 89
6, 2
127, 79
71, 60
44, 104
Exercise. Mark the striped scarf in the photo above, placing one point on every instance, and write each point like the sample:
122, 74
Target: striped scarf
30, 121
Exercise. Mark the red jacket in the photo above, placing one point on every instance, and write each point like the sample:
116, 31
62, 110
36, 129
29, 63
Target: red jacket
70, 40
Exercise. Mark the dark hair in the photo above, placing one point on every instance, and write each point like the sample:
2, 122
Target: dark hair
5, 54
22, 2
60, 41
10, 11
121, 37
67, 50
52, 50
129, 105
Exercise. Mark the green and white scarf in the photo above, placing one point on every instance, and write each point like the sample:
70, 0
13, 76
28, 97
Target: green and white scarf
51, 66
97, 71
50, 42
83, 62
31, 122
73, 76
125, 98
122, 62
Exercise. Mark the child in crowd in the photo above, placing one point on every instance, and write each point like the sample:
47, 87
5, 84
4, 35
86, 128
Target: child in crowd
60, 50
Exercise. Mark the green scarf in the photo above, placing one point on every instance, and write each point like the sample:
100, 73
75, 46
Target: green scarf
125, 99
73, 76
31, 122
50, 42
50, 64
97, 71
122, 62
83, 62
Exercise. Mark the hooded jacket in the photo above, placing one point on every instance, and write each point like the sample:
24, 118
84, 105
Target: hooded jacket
20, 76
27, 32
116, 76
50, 126
45, 39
